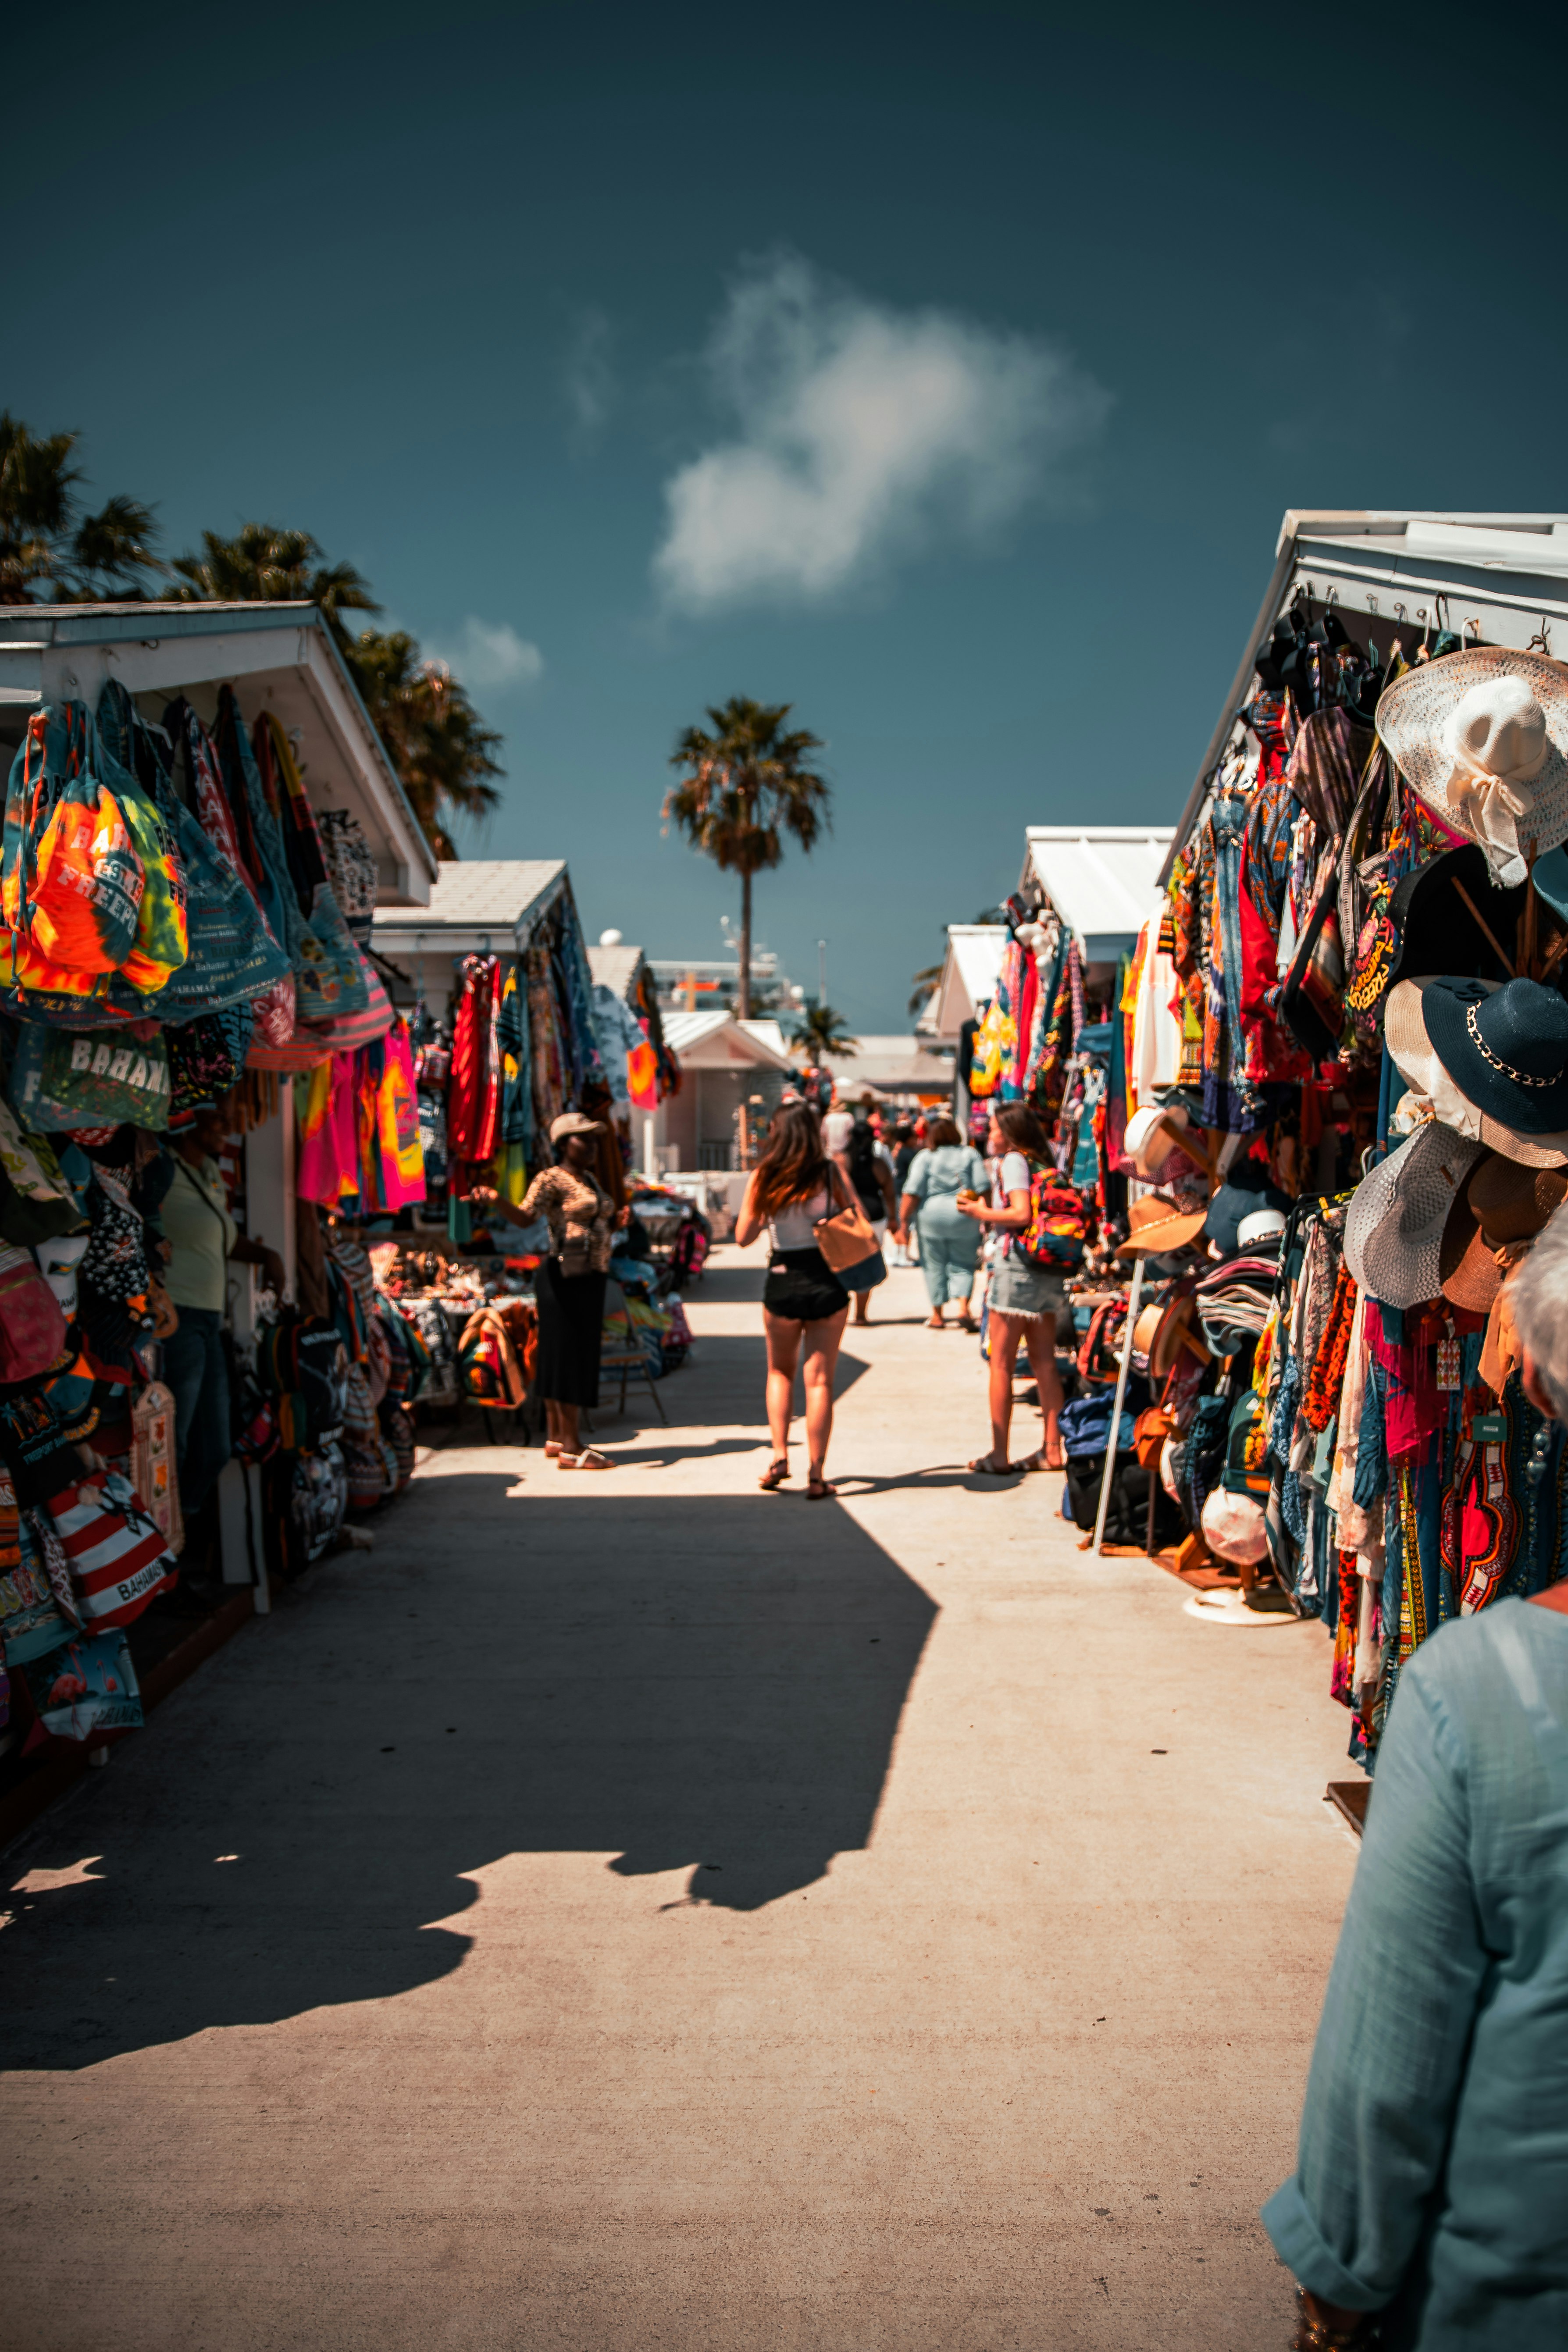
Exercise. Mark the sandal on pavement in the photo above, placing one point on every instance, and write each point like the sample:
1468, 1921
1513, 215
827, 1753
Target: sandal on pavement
552, 1447
589, 1459
967, 1323
817, 1487
989, 1468
936, 1323
775, 1473
1039, 1460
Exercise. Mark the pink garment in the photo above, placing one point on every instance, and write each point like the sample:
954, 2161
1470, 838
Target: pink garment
329, 1139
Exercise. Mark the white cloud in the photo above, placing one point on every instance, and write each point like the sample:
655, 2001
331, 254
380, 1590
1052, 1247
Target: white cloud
862, 430
589, 377
490, 653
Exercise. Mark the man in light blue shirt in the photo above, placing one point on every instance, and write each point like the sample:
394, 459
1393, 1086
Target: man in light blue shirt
1431, 2182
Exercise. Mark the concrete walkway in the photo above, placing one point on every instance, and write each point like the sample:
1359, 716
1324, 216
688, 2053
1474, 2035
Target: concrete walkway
640, 1911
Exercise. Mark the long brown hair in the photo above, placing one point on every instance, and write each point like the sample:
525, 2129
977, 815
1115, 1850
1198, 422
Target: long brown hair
793, 1165
1021, 1129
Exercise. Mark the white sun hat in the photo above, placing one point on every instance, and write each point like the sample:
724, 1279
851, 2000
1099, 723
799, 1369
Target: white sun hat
1483, 738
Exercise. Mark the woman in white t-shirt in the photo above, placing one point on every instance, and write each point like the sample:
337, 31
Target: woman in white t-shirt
1023, 1300
803, 1302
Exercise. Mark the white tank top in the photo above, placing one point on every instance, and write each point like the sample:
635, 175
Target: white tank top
790, 1226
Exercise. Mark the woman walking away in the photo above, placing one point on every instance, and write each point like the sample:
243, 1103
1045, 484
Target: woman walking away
1025, 1299
569, 1288
803, 1302
870, 1166
950, 1242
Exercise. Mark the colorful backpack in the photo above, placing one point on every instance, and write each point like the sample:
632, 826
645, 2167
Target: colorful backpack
1060, 1220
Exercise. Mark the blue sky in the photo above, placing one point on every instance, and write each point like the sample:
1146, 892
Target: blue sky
944, 371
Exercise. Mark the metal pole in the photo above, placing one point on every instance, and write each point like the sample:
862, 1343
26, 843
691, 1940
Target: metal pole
1115, 1430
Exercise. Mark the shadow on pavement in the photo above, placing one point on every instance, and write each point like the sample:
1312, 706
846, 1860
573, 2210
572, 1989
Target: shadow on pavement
703, 1684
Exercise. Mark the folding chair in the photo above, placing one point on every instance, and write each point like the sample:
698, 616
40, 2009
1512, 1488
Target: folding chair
628, 1358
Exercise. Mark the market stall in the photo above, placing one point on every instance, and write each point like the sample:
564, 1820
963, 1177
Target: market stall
1332, 1113
195, 1365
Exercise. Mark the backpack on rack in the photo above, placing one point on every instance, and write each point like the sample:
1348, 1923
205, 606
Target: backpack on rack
1059, 1221
302, 1364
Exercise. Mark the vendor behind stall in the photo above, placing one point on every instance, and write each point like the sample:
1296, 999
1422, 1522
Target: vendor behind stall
202, 1238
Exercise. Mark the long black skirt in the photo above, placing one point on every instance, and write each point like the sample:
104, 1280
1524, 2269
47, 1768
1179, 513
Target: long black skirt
571, 1309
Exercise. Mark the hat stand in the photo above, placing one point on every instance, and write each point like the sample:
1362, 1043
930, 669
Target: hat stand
1115, 1430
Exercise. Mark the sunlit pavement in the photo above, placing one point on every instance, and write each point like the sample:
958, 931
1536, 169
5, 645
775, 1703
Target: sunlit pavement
636, 1910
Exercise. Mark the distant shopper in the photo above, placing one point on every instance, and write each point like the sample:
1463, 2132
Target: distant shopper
569, 1288
838, 1126
1023, 1300
803, 1302
1431, 2181
902, 1147
870, 1166
202, 1238
950, 1242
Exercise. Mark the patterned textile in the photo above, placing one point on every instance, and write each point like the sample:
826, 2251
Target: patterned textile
350, 869
515, 1119
549, 1070
473, 1094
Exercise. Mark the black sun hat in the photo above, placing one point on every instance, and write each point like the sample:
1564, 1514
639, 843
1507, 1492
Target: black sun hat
1506, 1051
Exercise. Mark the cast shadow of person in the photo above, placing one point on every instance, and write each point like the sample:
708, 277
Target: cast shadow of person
702, 1683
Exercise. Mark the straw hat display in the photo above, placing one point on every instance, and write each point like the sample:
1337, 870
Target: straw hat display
1482, 737
1159, 1224
1491, 1225
1394, 1225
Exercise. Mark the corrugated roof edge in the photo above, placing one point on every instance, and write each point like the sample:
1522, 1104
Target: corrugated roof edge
194, 620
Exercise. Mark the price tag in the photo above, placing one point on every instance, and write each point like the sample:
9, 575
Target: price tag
1490, 1428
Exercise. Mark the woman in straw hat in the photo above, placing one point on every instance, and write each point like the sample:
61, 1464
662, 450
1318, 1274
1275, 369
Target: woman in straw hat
1431, 2181
569, 1288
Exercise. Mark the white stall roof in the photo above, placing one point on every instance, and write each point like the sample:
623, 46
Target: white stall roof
969, 971
278, 656
717, 1040
477, 903
1103, 880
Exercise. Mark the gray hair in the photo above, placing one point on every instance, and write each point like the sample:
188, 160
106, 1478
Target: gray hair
1538, 1294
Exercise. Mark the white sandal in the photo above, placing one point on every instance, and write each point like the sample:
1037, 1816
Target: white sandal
589, 1459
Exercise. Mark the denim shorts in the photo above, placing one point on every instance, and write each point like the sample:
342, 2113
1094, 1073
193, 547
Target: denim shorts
1026, 1291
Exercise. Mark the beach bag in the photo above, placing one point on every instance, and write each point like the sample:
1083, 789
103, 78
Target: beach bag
366, 1470
84, 879
350, 869
32, 1328
328, 970
85, 1689
118, 1554
206, 1056
32, 1622
1058, 1224
427, 1318
351, 1030
89, 1077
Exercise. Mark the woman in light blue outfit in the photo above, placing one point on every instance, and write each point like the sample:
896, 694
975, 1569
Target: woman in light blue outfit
950, 1242
1431, 2181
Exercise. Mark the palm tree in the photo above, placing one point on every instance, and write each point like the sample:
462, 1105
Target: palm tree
823, 1032
437, 742
924, 985
746, 786
264, 564
44, 537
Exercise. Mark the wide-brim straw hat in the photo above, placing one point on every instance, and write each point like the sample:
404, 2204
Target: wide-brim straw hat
1158, 1226
1415, 1059
1394, 1225
1482, 737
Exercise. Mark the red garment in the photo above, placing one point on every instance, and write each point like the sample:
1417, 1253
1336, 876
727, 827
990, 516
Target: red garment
473, 1090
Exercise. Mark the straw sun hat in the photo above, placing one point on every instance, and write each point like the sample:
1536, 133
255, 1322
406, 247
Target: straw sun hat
1483, 738
1394, 1225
